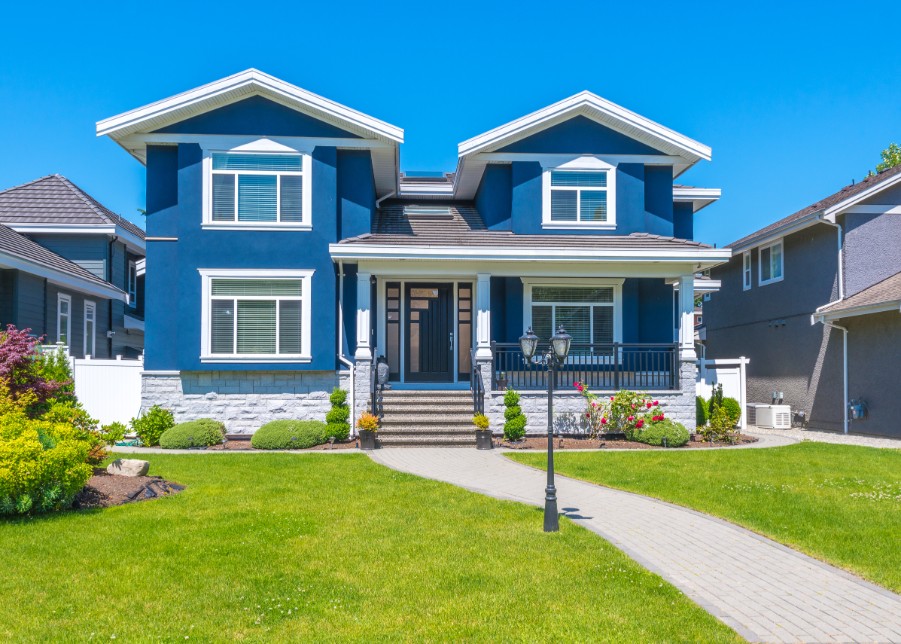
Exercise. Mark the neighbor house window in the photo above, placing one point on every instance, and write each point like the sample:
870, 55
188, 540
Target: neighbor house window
90, 327
746, 270
771, 263
257, 314
258, 188
132, 284
588, 313
63, 319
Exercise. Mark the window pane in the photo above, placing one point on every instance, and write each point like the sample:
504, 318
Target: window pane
223, 197
256, 197
576, 321
542, 322
603, 324
264, 162
765, 268
564, 205
594, 206
583, 179
572, 294
222, 327
292, 198
256, 326
289, 321
257, 287
777, 261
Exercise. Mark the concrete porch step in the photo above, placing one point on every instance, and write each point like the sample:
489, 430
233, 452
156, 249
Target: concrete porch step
427, 441
426, 419
451, 403
431, 430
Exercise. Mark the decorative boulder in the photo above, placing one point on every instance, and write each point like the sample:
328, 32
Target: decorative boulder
128, 467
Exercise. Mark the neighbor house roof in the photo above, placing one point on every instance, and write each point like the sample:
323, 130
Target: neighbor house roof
882, 296
55, 202
19, 252
808, 216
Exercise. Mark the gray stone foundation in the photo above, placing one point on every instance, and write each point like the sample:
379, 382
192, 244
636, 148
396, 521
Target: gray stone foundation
243, 400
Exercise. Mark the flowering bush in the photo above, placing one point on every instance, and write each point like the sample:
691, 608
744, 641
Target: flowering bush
626, 412
24, 369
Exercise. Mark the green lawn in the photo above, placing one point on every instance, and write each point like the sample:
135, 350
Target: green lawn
841, 504
325, 547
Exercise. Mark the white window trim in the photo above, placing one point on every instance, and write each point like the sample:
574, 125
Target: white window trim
132, 288
208, 274
60, 298
773, 280
262, 146
90, 306
617, 284
589, 163
747, 274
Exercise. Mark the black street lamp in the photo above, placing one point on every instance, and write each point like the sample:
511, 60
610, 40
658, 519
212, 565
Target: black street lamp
555, 356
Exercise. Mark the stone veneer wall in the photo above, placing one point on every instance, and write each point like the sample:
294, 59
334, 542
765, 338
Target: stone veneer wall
243, 400
569, 406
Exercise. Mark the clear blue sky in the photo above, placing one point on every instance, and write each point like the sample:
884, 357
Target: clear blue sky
795, 98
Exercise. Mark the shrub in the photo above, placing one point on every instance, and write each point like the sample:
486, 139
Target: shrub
515, 427
716, 400
194, 433
289, 434
151, 425
24, 369
653, 434
733, 409
338, 415
701, 415
719, 428
481, 421
625, 412
113, 433
368, 422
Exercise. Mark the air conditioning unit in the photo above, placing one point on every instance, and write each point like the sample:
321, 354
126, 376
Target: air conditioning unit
770, 416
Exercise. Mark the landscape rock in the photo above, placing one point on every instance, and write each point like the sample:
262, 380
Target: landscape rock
128, 467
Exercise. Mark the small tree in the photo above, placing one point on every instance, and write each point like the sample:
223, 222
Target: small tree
338, 415
515, 425
891, 156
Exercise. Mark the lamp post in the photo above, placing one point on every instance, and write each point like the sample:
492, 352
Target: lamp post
555, 356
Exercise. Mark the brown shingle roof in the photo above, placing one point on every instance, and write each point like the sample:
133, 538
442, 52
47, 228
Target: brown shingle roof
845, 193
884, 292
56, 200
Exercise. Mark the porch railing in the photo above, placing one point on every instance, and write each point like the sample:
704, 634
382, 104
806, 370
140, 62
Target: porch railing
375, 389
602, 367
476, 386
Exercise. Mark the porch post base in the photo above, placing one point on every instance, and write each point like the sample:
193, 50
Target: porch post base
362, 395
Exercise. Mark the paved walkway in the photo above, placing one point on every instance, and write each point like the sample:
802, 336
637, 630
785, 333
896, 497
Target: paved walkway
765, 591
827, 437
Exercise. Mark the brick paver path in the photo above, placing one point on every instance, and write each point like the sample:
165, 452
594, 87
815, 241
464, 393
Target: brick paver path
765, 591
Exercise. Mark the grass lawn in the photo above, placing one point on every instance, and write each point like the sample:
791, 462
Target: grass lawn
839, 503
325, 547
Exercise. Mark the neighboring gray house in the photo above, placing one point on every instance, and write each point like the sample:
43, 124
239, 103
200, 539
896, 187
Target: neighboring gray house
814, 300
71, 269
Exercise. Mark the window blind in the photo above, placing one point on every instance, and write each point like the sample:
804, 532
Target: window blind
258, 316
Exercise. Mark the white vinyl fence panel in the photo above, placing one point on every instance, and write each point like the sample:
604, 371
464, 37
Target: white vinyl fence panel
110, 390
731, 374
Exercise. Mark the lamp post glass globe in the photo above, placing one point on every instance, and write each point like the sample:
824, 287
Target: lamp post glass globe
528, 344
561, 343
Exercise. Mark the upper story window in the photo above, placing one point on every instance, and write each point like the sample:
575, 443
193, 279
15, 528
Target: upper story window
63, 319
90, 327
250, 190
746, 270
771, 263
132, 284
580, 194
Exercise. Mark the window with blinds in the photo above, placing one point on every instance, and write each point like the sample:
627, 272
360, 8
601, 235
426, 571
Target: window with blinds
586, 312
257, 188
579, 196
256, 316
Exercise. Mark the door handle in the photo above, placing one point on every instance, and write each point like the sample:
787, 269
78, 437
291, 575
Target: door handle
451, 337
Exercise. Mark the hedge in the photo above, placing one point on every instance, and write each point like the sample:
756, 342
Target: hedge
290, 434
194, 433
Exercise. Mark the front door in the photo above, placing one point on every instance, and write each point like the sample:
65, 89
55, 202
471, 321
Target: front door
429, 346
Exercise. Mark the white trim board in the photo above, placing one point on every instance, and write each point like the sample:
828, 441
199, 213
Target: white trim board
60, 278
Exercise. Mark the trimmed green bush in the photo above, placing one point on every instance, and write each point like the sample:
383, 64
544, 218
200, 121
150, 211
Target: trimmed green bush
653, 434
202, 432
512, 412
151, 425
290, 434
515, 427
701, 414
732, 409
338, 417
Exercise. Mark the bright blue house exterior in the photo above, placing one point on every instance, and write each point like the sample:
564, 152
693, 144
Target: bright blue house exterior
287, 251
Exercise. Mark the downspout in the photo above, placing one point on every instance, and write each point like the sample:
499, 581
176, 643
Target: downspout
378, 202
844, 331
341, 357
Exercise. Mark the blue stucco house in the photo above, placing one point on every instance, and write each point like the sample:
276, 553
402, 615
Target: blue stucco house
289, 251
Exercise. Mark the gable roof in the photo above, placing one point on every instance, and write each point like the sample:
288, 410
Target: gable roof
19, 252
882, 296
807, 216
54, 201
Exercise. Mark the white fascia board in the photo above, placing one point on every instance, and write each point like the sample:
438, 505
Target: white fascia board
876, 188
698, 197
133, 324
238, 86
598, 109
782, 231
867, 309
61, 278
702, 285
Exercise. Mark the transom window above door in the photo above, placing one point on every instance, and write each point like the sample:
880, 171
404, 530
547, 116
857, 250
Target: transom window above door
248, 190
588, 313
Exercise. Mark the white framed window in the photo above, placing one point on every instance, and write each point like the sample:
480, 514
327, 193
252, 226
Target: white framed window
771, 263
590, 311
63, 319
132, 284
256, 315
579, 194
90, 327
257, 190
746, 270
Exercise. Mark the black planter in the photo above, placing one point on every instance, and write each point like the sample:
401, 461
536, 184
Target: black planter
367, 439
484, 439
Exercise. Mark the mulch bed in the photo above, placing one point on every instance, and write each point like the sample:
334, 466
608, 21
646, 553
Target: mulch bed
104, 490
540, 443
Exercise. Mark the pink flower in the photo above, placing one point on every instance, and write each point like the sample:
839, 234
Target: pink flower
576, 384
656, 403
639, 424
604, 420
631, 418
595, 405
611, 398
649, 405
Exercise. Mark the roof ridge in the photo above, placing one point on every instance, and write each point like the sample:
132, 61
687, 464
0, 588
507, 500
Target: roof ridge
89, 201
28, 183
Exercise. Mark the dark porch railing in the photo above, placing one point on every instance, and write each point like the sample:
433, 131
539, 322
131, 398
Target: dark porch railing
476, 386
602, 367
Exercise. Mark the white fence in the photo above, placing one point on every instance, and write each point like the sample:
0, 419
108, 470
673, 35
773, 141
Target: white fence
731, 374
110, 390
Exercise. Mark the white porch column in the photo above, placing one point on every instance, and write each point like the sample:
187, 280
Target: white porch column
364, 316
686, 317
483, 316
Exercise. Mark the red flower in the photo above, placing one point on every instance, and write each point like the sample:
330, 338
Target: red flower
611, 398
576, 384
656, 403
639, 424
661, 417
631, 418
587, 415
604, 420
649, 405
